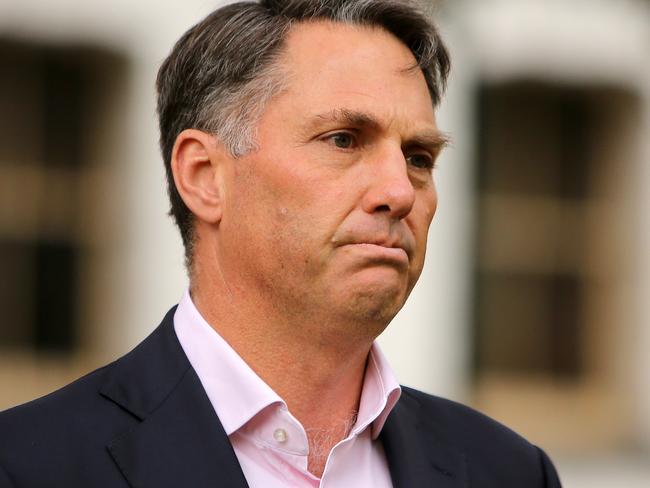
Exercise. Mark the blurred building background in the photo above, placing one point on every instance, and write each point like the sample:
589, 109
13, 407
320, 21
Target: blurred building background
535, 303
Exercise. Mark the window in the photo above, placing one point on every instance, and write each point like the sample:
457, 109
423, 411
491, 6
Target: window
551, 255
49, 99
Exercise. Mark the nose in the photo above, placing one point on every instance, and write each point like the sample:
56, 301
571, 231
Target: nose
390, 189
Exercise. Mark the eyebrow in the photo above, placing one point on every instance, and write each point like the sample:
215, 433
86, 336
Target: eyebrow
348, 117
434, 141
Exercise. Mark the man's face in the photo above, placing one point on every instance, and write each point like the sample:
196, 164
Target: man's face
328, 219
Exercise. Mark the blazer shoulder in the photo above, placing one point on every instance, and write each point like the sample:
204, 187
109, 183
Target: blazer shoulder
85, 397
72, 393
58, 433
66, 433
57, 413
489, 446
463, 421
82, 396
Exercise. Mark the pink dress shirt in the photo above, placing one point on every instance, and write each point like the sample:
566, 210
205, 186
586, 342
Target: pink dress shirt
270, 444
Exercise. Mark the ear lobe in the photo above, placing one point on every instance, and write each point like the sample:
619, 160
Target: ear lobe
197, 166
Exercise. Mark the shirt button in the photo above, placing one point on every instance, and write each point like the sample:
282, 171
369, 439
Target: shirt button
280, 435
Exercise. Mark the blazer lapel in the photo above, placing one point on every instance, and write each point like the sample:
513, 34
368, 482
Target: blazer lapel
177, 439
416, 456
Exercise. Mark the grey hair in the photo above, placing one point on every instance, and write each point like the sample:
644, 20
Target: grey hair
231, 112
222, 72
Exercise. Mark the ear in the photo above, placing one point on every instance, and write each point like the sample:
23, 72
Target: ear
197, 165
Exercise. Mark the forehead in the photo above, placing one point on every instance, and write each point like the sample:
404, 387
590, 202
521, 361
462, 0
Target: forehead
316, 39
362, 68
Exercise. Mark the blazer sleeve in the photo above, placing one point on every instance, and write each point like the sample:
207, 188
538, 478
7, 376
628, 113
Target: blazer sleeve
551, 479
5, 481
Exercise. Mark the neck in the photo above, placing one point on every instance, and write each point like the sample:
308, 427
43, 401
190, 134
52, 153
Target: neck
298, 359
317, 373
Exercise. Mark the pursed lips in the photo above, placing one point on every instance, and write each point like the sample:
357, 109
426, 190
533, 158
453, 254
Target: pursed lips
389, 248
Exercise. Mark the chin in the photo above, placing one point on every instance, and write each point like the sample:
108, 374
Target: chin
370, 298
377, 306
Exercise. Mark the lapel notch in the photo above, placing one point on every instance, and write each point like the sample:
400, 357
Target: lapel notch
177, 439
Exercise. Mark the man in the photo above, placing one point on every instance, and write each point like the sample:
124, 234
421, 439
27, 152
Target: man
299, 139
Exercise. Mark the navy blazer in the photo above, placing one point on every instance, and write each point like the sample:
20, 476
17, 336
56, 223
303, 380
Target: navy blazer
146, 421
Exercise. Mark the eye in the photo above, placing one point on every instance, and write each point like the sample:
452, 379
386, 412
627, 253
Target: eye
342, 140
421, 160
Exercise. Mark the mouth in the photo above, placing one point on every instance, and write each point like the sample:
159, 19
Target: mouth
380, 252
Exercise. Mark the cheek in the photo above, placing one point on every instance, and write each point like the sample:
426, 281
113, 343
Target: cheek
431, 201
419, 222
424, 211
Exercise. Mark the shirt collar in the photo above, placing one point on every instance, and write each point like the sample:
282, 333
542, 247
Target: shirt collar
238, 394
379, 394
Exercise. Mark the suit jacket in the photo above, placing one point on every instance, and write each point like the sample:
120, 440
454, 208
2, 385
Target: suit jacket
145, 421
